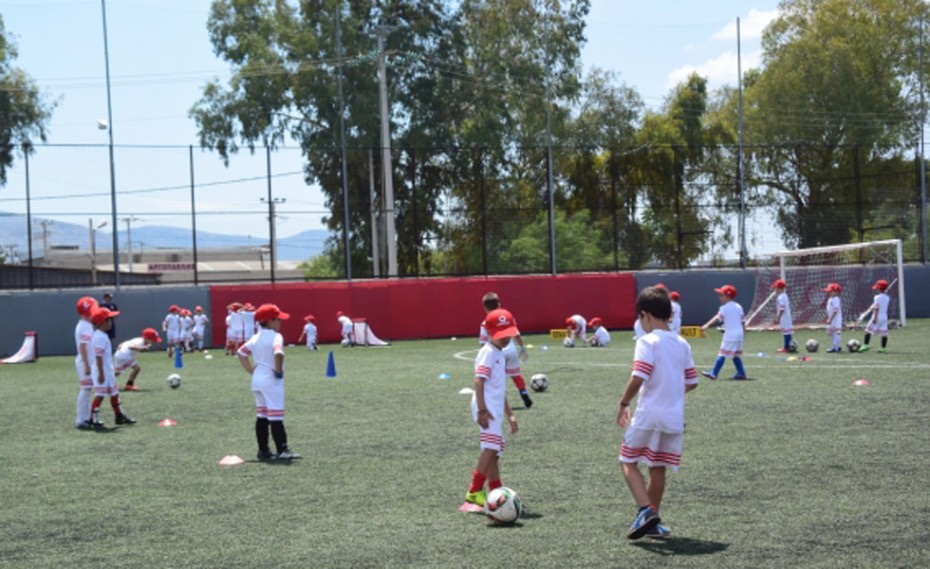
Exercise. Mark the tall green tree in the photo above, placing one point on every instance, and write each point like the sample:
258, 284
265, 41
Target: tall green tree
24, 111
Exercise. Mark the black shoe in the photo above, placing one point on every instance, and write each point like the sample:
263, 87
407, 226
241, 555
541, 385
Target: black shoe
526, 400
122, 419
264, 455
98, 426
85, 425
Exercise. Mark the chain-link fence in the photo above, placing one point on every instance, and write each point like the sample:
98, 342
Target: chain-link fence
182, 215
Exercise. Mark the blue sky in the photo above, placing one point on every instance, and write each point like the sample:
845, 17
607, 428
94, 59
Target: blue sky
160, 57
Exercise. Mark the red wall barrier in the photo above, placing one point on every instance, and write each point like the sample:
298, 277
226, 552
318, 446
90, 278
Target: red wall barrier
436, 308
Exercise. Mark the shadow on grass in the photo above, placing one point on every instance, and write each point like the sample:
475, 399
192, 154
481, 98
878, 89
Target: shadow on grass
682, 546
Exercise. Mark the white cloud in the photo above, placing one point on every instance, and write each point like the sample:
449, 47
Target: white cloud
750, 27
718, 71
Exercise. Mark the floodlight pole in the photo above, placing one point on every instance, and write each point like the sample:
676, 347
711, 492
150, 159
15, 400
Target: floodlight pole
550, 187
390, 230
342, 149
739, 155
106, 58
923, 163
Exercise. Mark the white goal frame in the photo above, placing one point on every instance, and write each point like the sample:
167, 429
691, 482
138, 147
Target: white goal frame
897, 283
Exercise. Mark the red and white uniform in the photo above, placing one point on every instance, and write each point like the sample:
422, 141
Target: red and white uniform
879, 323
578, 327
348, 328
783, 306
674, 325
187, 329
656, 432
172, 328
267, 389
101, 347
602, 336
125, 356
248, 324
310, 333
237, 332
489, 366
731, 317
511, 352
200, 324
83, 334
835, 314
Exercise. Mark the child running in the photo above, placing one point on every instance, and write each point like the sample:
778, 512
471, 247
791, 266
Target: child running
309, 332
489, 405
878, 324
732, 317
663, 371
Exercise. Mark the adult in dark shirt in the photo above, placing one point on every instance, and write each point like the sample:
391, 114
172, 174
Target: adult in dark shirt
109, 305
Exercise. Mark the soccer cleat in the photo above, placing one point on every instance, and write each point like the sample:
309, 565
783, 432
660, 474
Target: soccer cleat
98, 426
122, 419
647, 519
130, 387
476, 498
84, 425
287, 454
709, 374
835, 350
864, 348
659, 532
526, 400
880, 350
738, 376
264, 455
783, 351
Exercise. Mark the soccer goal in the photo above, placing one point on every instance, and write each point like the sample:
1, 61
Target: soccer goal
364, 335
856, 267
28, 352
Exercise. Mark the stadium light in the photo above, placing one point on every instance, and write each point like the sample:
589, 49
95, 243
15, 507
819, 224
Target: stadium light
109, 126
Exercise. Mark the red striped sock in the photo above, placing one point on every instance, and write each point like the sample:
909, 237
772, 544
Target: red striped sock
518, 381
492, 484
477, 481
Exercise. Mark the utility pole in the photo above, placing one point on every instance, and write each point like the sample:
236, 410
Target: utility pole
45, 223
342, 149
128, 221
375, 230
272, 202
106, 58
93, 248
549, 165
739, 155
390, 230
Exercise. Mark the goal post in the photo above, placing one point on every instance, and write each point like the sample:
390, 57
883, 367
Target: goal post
855, 266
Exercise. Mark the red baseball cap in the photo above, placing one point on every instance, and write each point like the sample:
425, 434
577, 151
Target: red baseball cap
100, 315
569, 323
500, 324
833, 287
660, 285
728, 291
880, 284
309, 318
151, 334
779, 283
339, 313
85, 305
674, 295
267, 312
595, 322
198, 308
173, 308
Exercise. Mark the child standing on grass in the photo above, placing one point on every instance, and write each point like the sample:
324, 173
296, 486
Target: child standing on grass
732, 317
514, 353
102, 370
663, 371
83, 336
878, 324
266, 349
674, 324
783, 315
834, 319
309, 332
489, 405
200, 325
125, 356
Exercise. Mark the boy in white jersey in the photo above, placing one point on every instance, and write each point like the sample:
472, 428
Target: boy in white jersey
674, 324
200, 326
347, 328
102, 369
489, 405
266, 349
309, 332
232, 324
733, 320
878, 324
834, 319
125, 356
249, 329
783, 315
663, 371
187, 329
601, 337
171, 326
83, 334
576, 329
514, 352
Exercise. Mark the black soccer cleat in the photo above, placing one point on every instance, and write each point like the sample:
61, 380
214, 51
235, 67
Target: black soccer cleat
123, 419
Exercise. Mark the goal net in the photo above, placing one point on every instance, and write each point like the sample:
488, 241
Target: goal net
364, 335
856, 267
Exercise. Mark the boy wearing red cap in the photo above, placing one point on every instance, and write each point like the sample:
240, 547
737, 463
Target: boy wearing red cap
200, 325
489, 404
576, 329
662, 365
878, 324
266, 350
514, 353
102, 369
601, 337
674, 325
347, 328
783, 315
171, 326
83, 335
125, 356
732, 318
309, 332
834, 319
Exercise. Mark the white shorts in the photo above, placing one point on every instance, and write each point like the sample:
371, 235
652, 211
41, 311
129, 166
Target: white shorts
880, 327
108, 388
121, 364
731, 348
511, 359
85, 381
654, 448
491, 438
269, 398
172, 337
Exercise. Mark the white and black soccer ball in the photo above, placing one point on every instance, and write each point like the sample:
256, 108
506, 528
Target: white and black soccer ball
174, 381
793, 347
812, 345
853, 345
568, 342
346, 343
503, 505
539, 382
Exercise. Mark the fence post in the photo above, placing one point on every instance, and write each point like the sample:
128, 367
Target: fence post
28, 215
190, 158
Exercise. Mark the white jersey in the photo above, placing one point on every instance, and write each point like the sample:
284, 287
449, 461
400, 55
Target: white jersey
783, 306
187, 327
348, 329
172, 327
675, 323
248, 323
483, 337
731, 316
102, 348
83, 334
581, 325
602, 336
263, 347
663, 361
310, 333
235, 326
125, 356
835, 315
489, 367
638, 331
879, 322
200, 323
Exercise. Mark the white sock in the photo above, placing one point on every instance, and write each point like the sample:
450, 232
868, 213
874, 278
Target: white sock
83, 405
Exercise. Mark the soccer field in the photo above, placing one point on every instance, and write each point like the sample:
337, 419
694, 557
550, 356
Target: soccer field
796, 467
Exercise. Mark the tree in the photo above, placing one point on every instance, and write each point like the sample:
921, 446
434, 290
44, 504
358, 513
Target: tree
24, 112
578, 247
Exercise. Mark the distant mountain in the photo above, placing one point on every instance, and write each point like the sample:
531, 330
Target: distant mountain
63, 234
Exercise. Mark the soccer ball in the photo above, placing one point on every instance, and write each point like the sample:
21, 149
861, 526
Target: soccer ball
812, 345
568, 343
346, 343
174, 381
853, 345
539, 382
503, 505
793, 347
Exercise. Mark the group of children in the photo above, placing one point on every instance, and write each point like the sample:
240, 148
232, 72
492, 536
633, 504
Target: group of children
576, 328
183, 329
